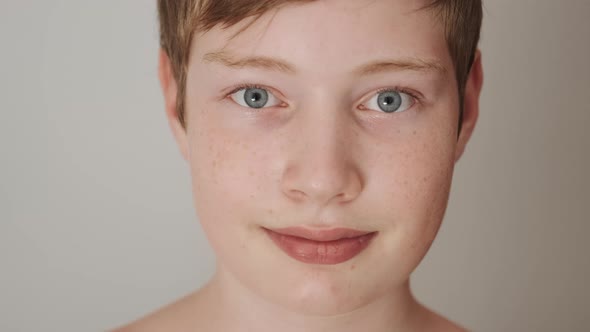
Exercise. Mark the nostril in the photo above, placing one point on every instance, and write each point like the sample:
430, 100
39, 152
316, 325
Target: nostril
297, 194
325, 181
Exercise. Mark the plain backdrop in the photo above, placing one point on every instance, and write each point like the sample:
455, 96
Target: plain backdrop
97, 225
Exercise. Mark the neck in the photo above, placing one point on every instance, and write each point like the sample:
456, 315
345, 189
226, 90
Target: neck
239, 309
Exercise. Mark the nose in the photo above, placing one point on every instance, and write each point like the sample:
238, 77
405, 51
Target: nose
321, 167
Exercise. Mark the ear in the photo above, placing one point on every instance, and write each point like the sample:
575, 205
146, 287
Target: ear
471, 104
170, 89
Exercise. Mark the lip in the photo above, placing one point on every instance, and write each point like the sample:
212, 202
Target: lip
320, 234
320, 246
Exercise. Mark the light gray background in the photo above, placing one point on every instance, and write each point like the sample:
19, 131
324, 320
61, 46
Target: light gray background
97, 225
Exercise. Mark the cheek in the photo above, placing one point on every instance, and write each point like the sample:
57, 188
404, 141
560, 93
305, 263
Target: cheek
414, 180
425, 179
227, 177
414, 173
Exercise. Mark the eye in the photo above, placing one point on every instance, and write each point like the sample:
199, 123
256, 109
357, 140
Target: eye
391, 101
254, 97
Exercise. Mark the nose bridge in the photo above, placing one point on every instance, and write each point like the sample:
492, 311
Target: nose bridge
324, 134
321, 167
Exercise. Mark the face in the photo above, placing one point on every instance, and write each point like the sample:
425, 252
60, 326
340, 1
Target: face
356, 127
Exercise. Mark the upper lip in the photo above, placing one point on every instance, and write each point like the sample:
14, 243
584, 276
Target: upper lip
320, 234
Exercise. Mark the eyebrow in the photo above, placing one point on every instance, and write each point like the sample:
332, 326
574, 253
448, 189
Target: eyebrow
261, 62
279, 65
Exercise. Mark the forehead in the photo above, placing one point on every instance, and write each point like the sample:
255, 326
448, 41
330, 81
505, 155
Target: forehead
333, 35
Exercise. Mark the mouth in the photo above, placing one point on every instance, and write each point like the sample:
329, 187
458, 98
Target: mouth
320, 246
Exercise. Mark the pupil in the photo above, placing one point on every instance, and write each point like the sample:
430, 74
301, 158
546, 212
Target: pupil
256, 98
390, 101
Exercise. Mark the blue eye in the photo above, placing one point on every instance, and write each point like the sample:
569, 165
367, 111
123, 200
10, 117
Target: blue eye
391, 101
254, 97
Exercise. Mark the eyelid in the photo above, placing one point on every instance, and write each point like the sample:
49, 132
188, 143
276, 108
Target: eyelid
416, 96
244, 86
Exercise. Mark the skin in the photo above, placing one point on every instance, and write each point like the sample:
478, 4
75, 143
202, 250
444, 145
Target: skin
322, 156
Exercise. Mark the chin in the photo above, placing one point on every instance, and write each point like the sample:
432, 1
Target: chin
326, 293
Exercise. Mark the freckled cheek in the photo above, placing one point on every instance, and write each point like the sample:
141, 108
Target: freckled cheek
226, 168
417, 180
417, 183
223, 184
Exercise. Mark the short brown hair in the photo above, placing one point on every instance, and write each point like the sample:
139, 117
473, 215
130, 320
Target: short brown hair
180, 19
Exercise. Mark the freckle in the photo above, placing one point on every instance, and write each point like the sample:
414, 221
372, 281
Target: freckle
270, 211
414, 133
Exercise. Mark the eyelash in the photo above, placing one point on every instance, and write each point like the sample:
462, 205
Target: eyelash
245, 86
415, 95
249, 86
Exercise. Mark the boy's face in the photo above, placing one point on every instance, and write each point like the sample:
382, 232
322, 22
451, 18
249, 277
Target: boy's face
326, 148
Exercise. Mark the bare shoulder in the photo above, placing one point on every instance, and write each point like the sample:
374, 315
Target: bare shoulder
440, 323
185, 314
433, 321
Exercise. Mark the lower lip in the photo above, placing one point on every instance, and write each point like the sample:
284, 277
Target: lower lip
319, 252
